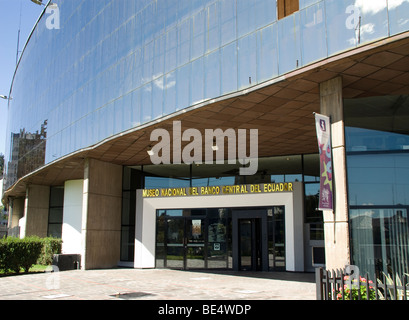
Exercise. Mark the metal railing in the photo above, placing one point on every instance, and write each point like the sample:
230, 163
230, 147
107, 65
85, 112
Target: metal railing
346, 285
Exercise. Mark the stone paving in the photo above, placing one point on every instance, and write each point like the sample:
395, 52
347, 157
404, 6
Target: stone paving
158, 284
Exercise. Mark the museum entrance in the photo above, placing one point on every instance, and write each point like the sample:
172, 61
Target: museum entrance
192, 239
242, 239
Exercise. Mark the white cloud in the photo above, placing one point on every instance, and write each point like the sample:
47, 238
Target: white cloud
368, 28
393, 4
169, 83
371, 6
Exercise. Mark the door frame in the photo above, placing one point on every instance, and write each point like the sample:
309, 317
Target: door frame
239, 214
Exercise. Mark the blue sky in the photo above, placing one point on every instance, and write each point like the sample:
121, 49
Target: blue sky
9, 26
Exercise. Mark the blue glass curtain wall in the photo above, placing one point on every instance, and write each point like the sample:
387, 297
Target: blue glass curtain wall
378, 183
114, 65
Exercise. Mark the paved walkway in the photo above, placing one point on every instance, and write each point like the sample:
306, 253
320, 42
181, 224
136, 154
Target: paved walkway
158, 284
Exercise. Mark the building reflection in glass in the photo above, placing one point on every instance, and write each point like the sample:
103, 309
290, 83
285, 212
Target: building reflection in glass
27, 153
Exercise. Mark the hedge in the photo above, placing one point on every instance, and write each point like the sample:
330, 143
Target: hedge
51, 246
23, 253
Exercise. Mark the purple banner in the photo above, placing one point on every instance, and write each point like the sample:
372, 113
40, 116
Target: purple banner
323, 127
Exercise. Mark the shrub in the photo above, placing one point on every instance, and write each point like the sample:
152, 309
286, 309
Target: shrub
9, 255
392, 292
30, 250
357, 286
4, 265
24, 253
19, 253
51, 246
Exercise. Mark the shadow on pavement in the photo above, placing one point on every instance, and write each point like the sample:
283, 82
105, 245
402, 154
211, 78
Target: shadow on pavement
284, 276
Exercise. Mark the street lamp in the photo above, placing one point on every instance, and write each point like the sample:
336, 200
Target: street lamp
40, 3
4, 97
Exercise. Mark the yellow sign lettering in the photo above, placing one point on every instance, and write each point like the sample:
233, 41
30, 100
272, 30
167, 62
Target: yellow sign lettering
216, 190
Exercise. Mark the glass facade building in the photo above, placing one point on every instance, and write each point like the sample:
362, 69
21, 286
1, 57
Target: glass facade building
115, 65
97, 70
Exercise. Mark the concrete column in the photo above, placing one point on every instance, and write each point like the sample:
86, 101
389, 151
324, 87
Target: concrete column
101, 215
16, 212
336, 224
72, 218
36, 211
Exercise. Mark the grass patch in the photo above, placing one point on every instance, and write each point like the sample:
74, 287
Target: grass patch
36, 268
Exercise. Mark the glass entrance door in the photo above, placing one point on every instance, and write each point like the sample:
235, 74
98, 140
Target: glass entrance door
250, 252
250, 240
175, 243
276, 238
185, 243
195, 244
221, 238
